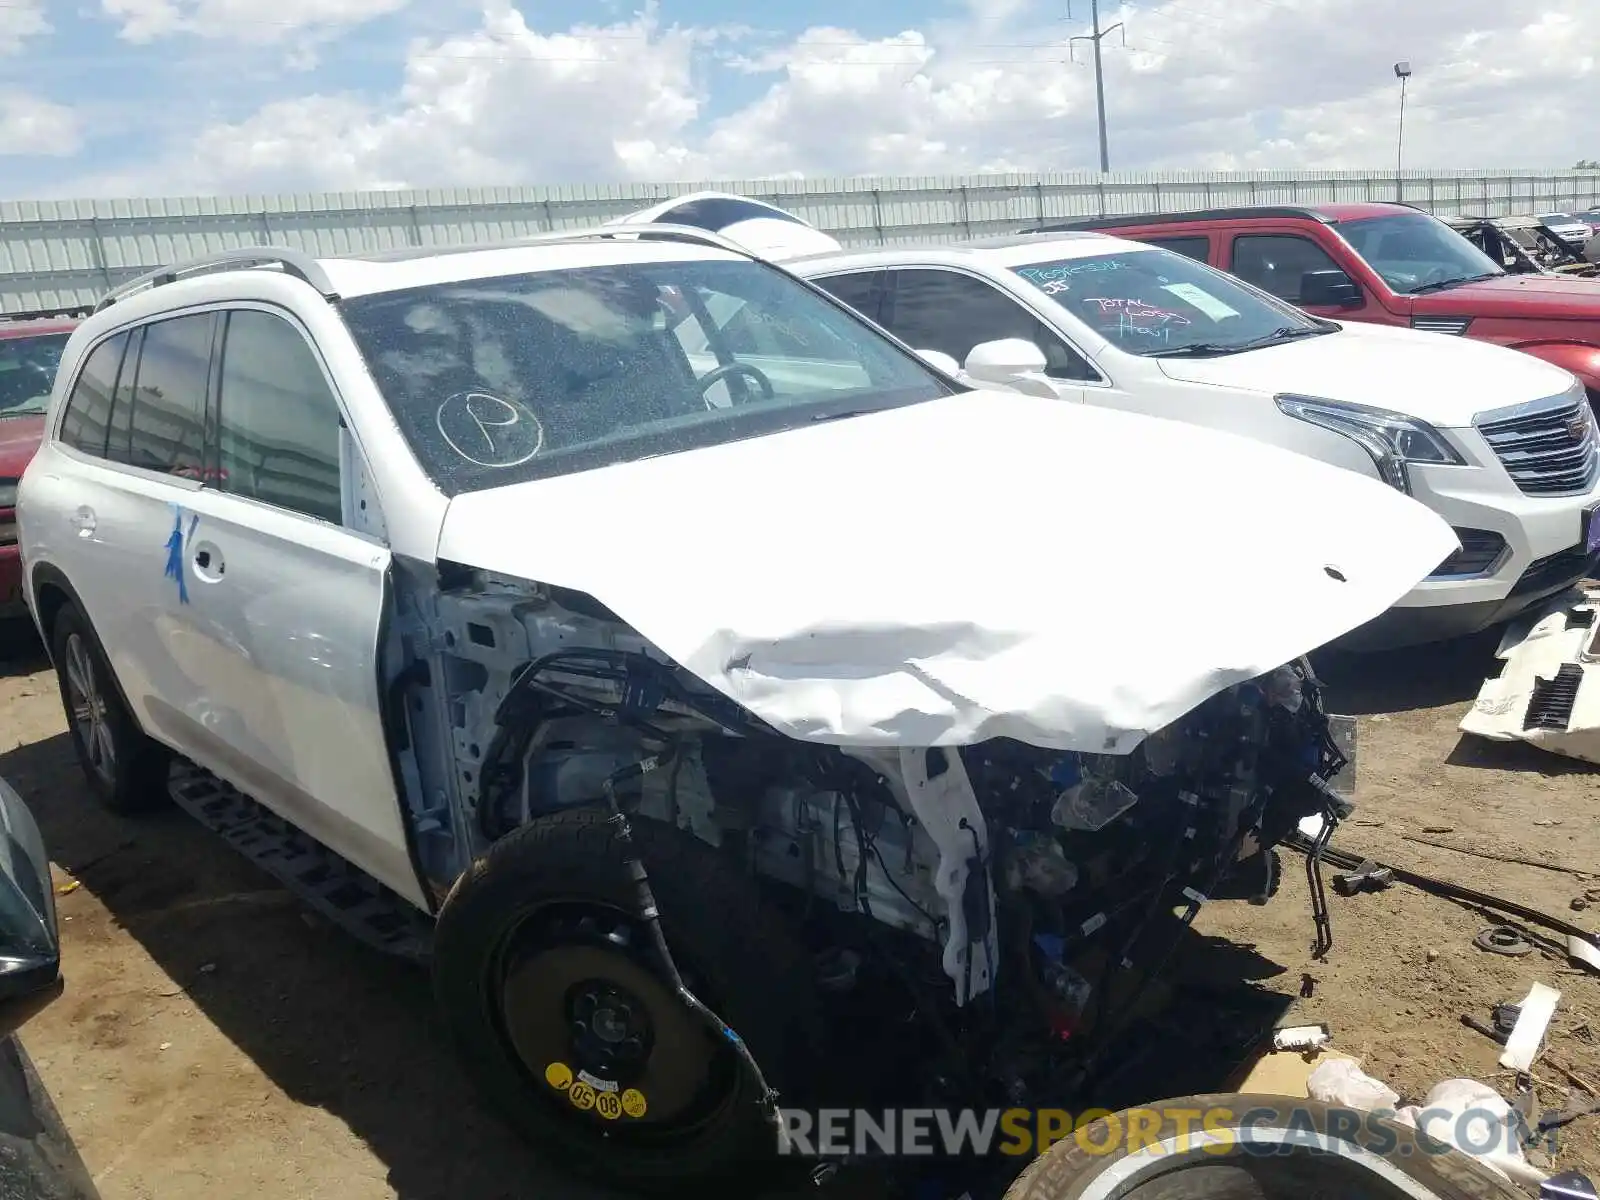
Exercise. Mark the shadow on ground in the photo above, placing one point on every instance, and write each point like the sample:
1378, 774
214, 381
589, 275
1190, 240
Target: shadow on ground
1515, 756
346, 1029
334, 1025
21, 652
1410, 678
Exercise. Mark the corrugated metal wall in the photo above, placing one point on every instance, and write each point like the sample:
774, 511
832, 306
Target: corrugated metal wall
61, 255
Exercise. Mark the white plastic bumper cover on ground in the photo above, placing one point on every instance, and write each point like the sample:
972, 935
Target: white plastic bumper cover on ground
1548, 692
984, 565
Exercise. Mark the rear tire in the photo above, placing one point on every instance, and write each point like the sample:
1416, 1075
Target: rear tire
1102, 1160
126, 771
545, 980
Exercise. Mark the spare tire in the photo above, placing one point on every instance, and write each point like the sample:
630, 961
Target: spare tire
1250, 1147
545, 977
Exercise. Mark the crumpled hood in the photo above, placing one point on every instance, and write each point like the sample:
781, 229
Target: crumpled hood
988, 564
1441, 379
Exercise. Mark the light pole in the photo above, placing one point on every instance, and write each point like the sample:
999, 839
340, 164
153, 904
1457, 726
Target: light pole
1402, 71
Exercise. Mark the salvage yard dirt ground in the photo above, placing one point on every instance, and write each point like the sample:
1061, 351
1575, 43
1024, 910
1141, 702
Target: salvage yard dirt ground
216, 1040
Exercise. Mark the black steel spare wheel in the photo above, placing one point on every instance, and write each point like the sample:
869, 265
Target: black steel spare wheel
549, 984
1249, 1147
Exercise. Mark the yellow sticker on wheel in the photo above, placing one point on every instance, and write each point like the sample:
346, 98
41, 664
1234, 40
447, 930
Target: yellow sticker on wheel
633, 1103
608, 1105
559, 1076
581, 1095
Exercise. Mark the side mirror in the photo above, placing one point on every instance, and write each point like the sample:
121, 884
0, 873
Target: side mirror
1012, 363
30, 946
1329, 289
939, 360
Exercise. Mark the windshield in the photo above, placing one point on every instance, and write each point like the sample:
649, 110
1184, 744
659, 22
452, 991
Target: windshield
28, 372
505, 379
1414, 251
1153, 301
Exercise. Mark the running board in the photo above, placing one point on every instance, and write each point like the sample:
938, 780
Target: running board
330, 884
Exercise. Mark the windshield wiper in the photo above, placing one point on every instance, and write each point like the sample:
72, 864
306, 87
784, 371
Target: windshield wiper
1440, 285
1193, 350
1284, 333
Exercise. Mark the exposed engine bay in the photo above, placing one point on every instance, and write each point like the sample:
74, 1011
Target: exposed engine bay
997, 886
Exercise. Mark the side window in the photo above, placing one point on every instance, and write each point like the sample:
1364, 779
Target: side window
119, 444
951, 312
88, 415
278, 419
1197, 248
168, 427
861, 290
1277, 263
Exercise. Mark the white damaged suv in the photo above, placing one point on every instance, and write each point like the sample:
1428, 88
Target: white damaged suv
698, 696
1500, 444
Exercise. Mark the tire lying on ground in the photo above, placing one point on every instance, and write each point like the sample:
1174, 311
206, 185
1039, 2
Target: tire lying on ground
1249, 1147
564, 1020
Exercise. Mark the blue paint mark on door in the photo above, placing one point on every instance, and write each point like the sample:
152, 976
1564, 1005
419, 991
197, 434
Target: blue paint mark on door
175, 552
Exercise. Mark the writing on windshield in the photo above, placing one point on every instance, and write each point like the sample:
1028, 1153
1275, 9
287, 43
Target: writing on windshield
1154, 302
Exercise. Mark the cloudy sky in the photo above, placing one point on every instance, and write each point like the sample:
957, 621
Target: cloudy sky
181, 97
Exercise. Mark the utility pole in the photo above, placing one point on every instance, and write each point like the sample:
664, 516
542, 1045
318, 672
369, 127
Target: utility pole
1097, 37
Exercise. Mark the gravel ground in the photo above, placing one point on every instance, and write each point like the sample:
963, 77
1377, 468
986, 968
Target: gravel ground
217, 1040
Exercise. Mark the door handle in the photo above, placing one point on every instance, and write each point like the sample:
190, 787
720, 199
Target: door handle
83, 521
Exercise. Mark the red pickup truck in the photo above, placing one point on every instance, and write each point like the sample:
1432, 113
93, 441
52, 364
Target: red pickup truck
29, 354
1390, 264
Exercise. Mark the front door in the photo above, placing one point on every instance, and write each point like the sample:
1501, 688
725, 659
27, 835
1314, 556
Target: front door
932, 308
275, 607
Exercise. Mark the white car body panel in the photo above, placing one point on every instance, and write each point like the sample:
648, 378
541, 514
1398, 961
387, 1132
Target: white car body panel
1551, 663
808, 608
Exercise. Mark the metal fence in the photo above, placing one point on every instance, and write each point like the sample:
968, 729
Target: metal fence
62, 255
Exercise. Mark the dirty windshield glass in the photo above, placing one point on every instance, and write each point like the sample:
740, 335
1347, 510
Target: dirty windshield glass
499, 380
28, 372
1154, 302
1415, 252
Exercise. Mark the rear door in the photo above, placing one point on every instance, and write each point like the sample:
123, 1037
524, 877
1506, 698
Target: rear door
1197, 246
269, 637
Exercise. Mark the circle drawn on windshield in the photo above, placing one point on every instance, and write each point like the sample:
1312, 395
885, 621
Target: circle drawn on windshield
488, 431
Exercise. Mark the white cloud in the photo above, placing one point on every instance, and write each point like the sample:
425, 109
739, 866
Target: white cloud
30, 125
1210, 84
487, 107
20, 21
260, 21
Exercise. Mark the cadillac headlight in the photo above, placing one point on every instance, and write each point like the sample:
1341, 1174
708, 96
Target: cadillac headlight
1393, 440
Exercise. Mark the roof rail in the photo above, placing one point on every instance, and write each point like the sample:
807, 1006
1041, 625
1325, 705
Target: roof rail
1238, 212
557, 237
292, 262
659, 230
